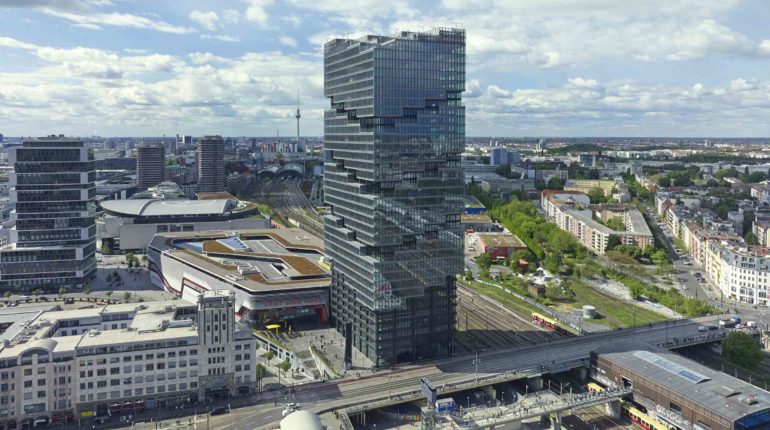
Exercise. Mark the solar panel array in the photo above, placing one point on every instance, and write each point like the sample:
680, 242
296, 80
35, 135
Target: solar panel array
671, 367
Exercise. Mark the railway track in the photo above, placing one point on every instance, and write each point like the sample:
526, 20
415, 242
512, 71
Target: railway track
496, 316
594, 418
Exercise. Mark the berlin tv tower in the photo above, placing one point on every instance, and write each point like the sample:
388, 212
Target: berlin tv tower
298, 116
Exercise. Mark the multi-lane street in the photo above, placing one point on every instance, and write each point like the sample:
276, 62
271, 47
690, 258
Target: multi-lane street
452, 371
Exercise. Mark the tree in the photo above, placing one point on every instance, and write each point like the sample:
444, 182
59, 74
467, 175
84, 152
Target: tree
613, 242
616, 223
284, 367
108, 294
468, 275
88, 292
596, 195
751, 239
555, 183
260, 374
37, 293
269, 356
742, 350
8, 294
484, 261
553, 262
664, 181
62, 290
126, 296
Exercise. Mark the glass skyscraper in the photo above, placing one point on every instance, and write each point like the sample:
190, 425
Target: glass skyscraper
53, 243
392, 175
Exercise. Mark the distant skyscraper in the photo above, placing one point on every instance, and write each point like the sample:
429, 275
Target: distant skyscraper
211, 164
498, 156
150, 165
393, 139
54, 240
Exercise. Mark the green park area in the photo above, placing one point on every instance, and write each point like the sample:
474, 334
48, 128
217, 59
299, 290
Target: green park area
558, 252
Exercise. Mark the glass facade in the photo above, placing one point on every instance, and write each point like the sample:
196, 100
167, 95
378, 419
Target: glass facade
53, 243
393, 139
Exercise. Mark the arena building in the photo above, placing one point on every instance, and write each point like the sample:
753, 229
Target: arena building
131, 224
681, 393
276, 274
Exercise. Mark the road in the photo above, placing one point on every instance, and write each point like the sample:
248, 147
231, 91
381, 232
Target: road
684, 272
458, 369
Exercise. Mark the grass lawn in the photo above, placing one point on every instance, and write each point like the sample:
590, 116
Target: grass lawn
611, 311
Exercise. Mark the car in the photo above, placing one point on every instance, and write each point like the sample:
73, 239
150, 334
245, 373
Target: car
220, 410
69, 301
712, 327
703, 328
43, 298
24, 298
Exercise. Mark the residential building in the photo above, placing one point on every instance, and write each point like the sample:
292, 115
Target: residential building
211, 164
586, 185
150, 165
394, 134
570, 211
740, 273
53, 242
122, 359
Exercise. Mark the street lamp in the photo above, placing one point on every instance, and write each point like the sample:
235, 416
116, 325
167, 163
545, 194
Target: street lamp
476, 362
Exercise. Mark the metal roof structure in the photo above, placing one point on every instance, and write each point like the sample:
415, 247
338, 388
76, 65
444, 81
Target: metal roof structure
154, 207
727, 396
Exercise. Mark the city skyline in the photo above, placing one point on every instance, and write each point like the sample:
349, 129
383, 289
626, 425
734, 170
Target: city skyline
598, 68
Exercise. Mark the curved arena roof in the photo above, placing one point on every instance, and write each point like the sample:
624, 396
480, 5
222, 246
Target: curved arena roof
154, 207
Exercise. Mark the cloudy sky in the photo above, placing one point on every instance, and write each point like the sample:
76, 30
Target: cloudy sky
535, 67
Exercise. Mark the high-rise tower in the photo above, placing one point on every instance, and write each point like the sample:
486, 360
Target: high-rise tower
150, 165
54, 241
393, 139
211, 164
298, 116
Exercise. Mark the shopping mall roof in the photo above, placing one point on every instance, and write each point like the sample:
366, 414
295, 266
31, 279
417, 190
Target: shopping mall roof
256, 260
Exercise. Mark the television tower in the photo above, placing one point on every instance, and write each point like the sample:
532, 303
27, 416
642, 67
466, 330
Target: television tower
298, 116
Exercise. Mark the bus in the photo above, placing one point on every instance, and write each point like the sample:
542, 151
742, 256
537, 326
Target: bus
642, 419
544, 321
593, 387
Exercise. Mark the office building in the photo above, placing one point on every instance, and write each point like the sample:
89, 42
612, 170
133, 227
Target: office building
53, 242
121, 359
211, 164
150, 165
393, 137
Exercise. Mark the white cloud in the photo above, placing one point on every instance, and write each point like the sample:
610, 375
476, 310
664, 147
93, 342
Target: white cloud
115, 19
207, 20
63, 5
288, 41
82, 89
256, 11
220, 37
292, 19
231, 16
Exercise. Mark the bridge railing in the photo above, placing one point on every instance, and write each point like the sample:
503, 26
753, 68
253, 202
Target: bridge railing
677, 342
